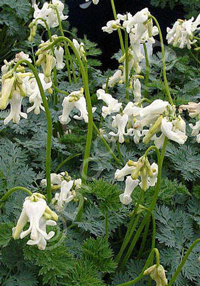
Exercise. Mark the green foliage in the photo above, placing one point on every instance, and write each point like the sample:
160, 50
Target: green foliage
98, 252
5, 234
186, 160
54, 262
14, 18
191, 8
107, 195
83, 274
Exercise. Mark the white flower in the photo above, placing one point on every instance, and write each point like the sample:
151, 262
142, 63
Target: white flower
111, 26
34, 211
59, 52
33, 92
74, 99
41, 241
15, 109
137, 90
119, 122
139, 17
48, 13
192, 107
182, 33
112, 104
174, 130
126, 170
80, 49
56, 179
22, 56
157, 107
115, 78
131, 184
65, 195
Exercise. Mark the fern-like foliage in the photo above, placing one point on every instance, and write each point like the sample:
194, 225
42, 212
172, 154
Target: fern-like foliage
98, 252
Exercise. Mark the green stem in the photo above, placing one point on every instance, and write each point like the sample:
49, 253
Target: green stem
173, 279
67, 52
147, 264
155, 197
11, 191
80, 206
196, 59
46, 26
59, 90
119, 31
119, 152
163, 60
66, 160
107, 146
127, 238
54, 69
160, 163
147, 71
144, 238
131, 227
89, 105
153, 148
126, 67
106, 226
49, 125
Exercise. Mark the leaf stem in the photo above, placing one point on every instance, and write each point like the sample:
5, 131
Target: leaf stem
12, 190
67, 52
163, 60
147, 71
89, 105
49, 125
107, 146
119, 31
178, 270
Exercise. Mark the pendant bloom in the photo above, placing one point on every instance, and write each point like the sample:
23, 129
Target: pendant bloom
74, 99
35, 212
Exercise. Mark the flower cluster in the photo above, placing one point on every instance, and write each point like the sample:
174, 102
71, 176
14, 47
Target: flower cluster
39, 215
142, 168
74, 99
182, 33
67, 187
141, 31
48, 13
18, 84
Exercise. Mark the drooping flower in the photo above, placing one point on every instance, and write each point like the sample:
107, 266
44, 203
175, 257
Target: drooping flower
59, 52
65, 195
157, 273
192, 107
131, 184
112, 104
140, 169
74, 99
35, 211
182, 33
115, 78
174, 130
119, 122
80, 49
111, 26
33, 92
15, 109
48, 13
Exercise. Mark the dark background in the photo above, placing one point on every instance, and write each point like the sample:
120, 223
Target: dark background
90, 21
